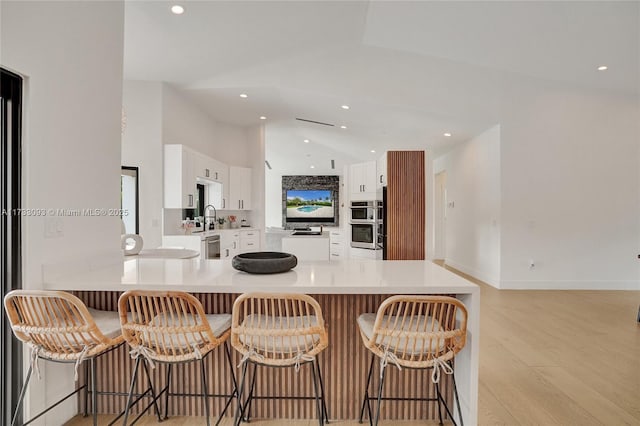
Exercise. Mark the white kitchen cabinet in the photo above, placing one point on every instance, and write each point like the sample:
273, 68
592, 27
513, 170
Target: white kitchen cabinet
239, 188
336, 245
179, 177
381, 175
363, 181
229, 243
249, 241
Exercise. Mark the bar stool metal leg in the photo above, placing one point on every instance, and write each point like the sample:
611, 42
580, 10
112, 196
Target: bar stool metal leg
316, 392
205, 397
153, 393
239, 410
247, 406
21, 397
365, 400
167, 391
325, 412
94, 393
134, 378
383, 372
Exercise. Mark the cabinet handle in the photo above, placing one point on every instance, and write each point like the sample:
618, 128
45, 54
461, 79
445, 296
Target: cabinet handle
190, 200
239, 204
333, 254
216, 175
380, 178
227, 252
234, 244
242, 201
224, 203
206, 172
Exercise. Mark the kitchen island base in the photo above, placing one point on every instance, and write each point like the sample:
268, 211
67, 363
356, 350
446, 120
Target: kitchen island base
344, 369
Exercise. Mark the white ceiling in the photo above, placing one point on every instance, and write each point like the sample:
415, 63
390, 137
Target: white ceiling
409, 70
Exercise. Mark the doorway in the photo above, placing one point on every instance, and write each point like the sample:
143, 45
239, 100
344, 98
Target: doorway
440, 216
10, 239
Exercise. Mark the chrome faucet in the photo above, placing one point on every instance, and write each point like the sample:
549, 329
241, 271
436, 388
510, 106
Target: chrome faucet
215, 216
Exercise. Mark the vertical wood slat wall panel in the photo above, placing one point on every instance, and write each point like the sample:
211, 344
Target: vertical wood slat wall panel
405, 205
344, 366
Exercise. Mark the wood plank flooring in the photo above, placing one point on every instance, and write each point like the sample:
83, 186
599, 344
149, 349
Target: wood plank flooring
546, 358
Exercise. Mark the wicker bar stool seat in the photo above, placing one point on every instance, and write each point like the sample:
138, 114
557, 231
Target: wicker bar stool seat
278, 330
415, 332
172, 328
58, 327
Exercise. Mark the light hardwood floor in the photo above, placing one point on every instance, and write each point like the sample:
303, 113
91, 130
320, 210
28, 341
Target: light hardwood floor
546, 358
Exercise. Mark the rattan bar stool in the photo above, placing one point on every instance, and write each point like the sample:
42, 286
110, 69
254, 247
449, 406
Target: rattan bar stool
415, 332
58, 327
172, 328
278, 330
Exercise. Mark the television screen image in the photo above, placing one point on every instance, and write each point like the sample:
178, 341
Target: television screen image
309, 205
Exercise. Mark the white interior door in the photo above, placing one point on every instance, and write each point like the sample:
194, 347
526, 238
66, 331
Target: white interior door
440, 216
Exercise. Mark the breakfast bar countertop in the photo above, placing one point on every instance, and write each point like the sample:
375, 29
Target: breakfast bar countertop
218, 276
347, 287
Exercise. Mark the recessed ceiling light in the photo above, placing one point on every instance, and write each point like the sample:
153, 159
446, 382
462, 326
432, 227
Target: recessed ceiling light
177, 9
313, 167
448, 134
343, 127
306, 141
243, 95
345, 106
262, 117
373, 151
603, 68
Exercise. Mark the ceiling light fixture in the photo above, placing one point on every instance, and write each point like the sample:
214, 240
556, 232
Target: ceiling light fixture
343, 127
603, 68
313, 167
345, 106
243, 95
306, 141
373, 151
262, 117
448, 135
177, 9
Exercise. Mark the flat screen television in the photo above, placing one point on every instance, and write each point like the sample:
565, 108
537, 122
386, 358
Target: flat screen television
310, 205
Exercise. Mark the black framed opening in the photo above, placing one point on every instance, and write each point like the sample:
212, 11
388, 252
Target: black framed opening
10, 224
130, 199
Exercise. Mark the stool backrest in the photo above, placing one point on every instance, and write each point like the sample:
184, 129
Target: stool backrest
166, 326
277, 329
419, 329
56, 323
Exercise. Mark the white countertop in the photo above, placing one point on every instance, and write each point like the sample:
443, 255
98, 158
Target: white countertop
354, 276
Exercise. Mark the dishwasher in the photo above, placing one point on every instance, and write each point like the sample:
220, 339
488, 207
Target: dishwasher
212, 247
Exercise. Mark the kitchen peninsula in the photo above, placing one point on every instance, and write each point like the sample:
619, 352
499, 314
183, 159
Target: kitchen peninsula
344, 289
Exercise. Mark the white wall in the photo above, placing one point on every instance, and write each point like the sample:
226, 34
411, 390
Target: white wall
571, 190
142, 147
183, 122
473, 206
71, 55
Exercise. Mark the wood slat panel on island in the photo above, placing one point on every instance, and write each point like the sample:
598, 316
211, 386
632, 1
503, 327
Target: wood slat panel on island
344, 289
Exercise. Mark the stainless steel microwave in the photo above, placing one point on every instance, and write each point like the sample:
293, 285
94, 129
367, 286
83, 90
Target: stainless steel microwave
363, 211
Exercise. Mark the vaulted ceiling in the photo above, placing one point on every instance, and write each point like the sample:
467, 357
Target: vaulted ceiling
409, 71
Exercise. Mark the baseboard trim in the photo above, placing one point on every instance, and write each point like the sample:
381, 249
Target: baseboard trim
492, 281
570, 285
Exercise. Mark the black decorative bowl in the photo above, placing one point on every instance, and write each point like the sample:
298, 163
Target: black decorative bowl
264, 262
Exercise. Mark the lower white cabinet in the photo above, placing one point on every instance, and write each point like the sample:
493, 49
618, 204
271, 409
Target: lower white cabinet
336, 245
229, 243
236, 241
249, 241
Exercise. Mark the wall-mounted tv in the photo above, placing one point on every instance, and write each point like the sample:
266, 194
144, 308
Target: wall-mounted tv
307, 205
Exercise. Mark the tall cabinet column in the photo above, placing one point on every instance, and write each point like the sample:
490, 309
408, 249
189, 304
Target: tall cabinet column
405, 205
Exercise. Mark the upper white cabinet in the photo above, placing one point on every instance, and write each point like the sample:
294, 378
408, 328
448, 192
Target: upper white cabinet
239, 188
381, 176
179, 177
363, 181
